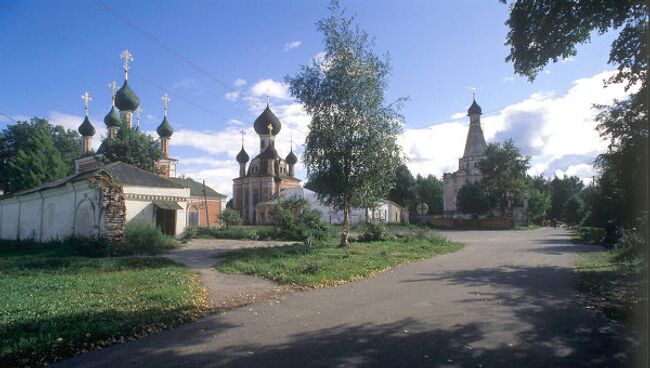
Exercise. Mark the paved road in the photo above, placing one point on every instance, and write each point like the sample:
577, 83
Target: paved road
508, 299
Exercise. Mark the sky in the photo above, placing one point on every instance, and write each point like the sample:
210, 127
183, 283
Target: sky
219, 60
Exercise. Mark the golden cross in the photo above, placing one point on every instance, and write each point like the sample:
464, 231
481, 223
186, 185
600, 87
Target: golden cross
113, 86
127, 56
242, 138
270, 127
86, 98
165, 98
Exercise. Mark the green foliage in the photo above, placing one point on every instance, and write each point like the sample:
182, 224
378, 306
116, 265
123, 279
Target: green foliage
538, 203
504, 173
143, 239
293, 219
132, 147
473, 198
326, 264
631, 248
561, 191
35, 152
591, 235
56, 305
374, 231
405, 191
230, 217
429, 190
352, 140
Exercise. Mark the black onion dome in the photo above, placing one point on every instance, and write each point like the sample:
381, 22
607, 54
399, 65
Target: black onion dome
291, 158
112, 119
269, 154
102, 147
86, 129
126, 99
474, 109
165, 129
262, 122
242, 156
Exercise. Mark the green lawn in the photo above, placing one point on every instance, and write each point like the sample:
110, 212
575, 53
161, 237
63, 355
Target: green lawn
608, 286
328, 264
53, 305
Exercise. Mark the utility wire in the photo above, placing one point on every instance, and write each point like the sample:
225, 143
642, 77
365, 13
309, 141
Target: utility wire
159, 42
54, 32
9, 117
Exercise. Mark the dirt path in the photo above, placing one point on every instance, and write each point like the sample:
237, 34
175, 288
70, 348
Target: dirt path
508, 299
227, 291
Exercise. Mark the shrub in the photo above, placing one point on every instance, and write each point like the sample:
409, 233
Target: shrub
230, 217
143, 239
592, 235
629, 247
87, 247
191, 232
293, 219
374, 231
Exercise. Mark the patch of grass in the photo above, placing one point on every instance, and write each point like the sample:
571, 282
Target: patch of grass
327, 264
54, 305
610, 286
526, 228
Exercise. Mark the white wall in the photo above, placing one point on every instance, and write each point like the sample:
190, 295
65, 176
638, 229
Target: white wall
139, 206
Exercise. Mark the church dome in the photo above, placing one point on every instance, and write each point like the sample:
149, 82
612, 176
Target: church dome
102, 147
86, 129
269, 154
242, 156
291, 158
112, 119
474, 109
262, 122
165, 130
126, 99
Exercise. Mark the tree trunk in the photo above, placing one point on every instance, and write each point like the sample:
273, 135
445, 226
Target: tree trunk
346, 225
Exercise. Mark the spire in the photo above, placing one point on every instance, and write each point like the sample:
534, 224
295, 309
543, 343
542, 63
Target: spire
112, 119
475, 143
165, 99
86, 129
113, 86
242, 156
86, 98
474, 108
125, 99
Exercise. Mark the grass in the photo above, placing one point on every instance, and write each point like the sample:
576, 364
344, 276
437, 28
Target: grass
55, 305
610, 286
327, 264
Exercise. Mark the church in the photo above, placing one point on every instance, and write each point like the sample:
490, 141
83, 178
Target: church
100, 198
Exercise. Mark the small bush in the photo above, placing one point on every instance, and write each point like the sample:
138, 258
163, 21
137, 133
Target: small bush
374, 231
230, 217
191, 232
629, 247
592, 235
293, 219
143, 239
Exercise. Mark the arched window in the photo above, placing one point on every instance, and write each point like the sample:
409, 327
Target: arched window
193, 216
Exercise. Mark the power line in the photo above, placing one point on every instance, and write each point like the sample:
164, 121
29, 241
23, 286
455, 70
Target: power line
159, 42
9, 117
54, 32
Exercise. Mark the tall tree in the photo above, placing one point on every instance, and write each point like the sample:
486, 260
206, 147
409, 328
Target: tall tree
561, 191
429, 191
18, 136
132, 147
504, 173
404, 192
351, 148
36, 161
473, 198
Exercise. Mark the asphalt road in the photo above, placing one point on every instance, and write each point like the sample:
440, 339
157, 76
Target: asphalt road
508, 299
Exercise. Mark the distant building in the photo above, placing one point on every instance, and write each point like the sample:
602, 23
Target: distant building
267, 174
468, 171
99, 199
386, 210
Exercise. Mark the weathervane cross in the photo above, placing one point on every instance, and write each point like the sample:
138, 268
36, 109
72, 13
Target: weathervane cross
270, 127
242, 137
127, 56
165, 99
86, 98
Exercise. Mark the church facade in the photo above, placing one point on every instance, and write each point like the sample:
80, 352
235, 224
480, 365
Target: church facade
267, 173
468, 171
100, 198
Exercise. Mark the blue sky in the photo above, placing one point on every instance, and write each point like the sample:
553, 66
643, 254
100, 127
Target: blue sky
439, 52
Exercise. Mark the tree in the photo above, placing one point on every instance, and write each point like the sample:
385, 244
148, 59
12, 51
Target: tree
294, 219
16, 136
538, 204
542, 31
132, 147
230, 217
561, 191
504, 173
36, 162
473, 198
34, 137
404, 192
429, 191
351, 148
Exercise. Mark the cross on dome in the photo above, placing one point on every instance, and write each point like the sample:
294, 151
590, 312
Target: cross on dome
86, 99
127, 56
165, 99
270, 127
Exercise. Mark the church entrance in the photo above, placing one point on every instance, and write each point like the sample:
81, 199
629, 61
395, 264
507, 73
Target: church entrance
166, 217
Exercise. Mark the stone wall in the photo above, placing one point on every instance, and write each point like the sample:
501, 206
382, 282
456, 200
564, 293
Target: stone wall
113, 208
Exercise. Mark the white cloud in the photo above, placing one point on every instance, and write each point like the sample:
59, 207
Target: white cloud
186, 83
556, 130
232, 96
292, 45
458, 115
239, 82
235, 122
271, 88
508, 79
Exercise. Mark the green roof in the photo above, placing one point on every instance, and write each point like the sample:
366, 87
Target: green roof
165, 129
86, 129
196, 188
126, 99
112, 119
